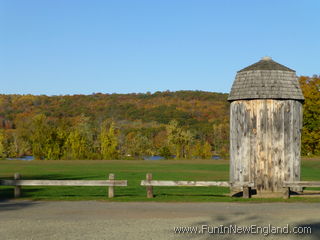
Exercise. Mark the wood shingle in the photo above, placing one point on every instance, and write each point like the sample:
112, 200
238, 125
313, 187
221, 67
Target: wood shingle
266, 79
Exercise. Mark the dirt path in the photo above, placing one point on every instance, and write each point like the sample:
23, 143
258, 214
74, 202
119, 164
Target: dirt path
140, 220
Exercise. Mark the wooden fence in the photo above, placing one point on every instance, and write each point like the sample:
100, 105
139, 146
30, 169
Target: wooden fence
149, 184
18, 183
296, 184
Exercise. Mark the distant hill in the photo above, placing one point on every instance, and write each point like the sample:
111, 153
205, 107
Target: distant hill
133, 124
133, 114
188, 107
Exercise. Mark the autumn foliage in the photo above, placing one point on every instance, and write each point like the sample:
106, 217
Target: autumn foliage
311, 115
183, 124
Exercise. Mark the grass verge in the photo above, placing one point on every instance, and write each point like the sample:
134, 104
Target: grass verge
134, 171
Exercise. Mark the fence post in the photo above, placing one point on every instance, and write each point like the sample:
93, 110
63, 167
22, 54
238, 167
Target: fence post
111, 188
149, 188
246, 191
286, 193
17, 189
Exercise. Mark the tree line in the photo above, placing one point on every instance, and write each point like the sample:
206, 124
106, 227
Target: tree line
182, 124
47, 139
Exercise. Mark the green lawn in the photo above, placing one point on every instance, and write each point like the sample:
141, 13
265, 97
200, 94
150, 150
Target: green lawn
133, 171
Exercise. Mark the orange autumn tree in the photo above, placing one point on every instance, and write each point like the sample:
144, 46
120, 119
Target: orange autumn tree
311, 115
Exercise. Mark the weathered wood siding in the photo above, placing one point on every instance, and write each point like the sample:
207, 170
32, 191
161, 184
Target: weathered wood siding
265, 142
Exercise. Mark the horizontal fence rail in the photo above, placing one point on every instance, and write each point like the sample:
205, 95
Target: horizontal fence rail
302, 184
184, 183
106, 183
18, 183
149, 184
297, 184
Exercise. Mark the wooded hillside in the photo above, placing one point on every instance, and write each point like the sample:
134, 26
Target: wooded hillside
184, 124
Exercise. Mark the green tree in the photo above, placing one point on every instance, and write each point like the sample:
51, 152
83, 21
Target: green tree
39, 136
221, 138
109, 141
2, 144
21, 143
206, 151
79, 143
55, 143
138, 144
311, 115
17, 145
202, 150
164, 151
179, 139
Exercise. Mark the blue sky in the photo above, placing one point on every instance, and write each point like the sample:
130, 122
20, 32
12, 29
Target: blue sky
57, 47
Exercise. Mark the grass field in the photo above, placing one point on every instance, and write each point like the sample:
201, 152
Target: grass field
133, 171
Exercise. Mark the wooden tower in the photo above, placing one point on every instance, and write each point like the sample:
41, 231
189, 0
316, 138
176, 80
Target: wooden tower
265, 126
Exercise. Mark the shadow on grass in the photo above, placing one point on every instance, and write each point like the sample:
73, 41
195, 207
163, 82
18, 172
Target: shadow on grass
190, 195
8, 193
7, 202
6, 205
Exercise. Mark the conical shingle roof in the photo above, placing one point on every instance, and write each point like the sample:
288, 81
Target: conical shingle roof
266, 79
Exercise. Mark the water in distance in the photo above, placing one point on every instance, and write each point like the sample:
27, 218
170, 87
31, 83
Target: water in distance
24, 158
153, 157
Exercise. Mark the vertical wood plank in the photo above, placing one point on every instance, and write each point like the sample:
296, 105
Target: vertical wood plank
111, 188
253, 143
240, 158
270, 169
246, 192
297, 138
149, 188
232, 141
245, 147
282, 142
297, 121
292, 120
233, 145
262, 176
17, 189
286, 193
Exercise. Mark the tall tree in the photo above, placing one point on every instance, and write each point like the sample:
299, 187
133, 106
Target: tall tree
55, 146
109, 141
311, 115
138, 144
201, 150
39, 136
79, 143
2, 144
221, 138
179, 139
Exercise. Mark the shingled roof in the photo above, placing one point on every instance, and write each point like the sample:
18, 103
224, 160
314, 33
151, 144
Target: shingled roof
266, 79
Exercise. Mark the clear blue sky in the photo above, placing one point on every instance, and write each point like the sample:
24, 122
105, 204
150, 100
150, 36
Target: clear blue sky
59, 47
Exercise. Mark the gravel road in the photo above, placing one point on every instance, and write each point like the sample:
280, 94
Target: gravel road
149, 220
